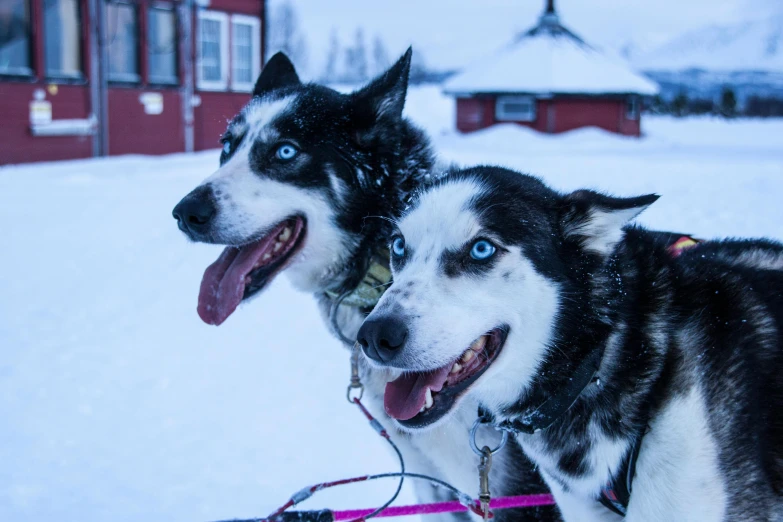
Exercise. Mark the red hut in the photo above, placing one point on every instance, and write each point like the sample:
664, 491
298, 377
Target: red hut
81, 78
551, 80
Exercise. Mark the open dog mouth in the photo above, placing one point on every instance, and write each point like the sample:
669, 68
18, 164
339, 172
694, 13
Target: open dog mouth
242, 271
420, 398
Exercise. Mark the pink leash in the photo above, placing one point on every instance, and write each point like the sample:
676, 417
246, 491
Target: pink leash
359, 515
453, 506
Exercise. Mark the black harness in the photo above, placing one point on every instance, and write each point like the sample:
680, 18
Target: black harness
616, 494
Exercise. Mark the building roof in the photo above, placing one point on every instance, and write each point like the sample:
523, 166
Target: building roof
550, 59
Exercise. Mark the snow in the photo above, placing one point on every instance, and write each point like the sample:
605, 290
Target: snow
545, 63
119, 404
754, 45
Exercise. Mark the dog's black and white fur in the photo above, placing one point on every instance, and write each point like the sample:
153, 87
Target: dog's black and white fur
689, 347
335, 169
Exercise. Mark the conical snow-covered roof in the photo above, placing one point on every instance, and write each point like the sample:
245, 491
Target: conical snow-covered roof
550, 59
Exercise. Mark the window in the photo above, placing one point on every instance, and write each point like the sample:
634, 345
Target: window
122, 42
632, 108
245, 52
15, 37
515, 108
212, 63
62, 39
162, 45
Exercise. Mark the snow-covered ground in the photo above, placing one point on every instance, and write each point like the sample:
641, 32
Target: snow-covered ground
117, 403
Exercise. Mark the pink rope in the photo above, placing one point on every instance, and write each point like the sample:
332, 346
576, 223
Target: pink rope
446, 507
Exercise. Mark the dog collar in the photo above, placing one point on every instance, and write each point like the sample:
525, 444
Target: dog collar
546, 413
372, 286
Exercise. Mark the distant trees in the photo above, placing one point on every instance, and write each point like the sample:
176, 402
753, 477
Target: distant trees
356, 60
679, 105
332, 58
764, 107
727, 106
285, 34
380, 57
356, 63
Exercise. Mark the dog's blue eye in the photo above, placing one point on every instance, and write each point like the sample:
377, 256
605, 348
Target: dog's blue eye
482, 249
227, 147
286, 152
398, 247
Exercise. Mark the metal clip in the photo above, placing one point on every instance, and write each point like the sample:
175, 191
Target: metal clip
485, 464
356, 381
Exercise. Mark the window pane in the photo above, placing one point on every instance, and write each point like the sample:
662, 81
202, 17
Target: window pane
243, 53
121, 36
162, 46
515, 108
62, 38
15, 37
210, 50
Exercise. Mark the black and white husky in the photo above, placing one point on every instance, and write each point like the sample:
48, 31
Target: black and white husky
649, 381
309, 182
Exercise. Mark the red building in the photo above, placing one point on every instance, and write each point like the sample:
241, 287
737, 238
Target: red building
150, 77
550, 80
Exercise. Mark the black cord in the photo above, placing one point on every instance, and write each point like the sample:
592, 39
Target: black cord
399, 485
461, 496
333, 319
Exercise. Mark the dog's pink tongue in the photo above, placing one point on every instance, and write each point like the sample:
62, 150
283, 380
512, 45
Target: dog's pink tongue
405, 396
223, 284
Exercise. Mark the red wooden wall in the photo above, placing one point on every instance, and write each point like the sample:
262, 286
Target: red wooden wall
19, 146
554, 115
131, 130
68, 100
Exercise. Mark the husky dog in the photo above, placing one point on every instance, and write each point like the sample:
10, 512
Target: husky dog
644, 382
309, 183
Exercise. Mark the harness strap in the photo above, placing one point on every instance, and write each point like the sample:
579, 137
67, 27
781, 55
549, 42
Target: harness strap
372, 286
616, 494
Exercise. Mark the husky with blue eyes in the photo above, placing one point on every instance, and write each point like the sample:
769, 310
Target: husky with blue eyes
309, 183
645, 380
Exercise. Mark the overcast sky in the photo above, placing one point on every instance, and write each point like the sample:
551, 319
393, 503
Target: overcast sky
450, 33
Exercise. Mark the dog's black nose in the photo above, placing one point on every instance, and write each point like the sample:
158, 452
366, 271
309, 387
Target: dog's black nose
196, 210
382, 338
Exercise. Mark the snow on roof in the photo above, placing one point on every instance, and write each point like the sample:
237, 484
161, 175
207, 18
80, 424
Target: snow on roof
550, 59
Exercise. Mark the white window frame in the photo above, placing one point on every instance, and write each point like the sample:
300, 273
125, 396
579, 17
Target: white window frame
255, 47
502, 115
213, 85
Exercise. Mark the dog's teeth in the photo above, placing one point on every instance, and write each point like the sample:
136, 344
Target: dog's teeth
479, 344
267, 256
277, 246
428, 400
468, 355
423, 408
456, 368
285, 234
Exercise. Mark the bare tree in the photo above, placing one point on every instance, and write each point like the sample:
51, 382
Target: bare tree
380, 56
356, 60
330, 73
285, 35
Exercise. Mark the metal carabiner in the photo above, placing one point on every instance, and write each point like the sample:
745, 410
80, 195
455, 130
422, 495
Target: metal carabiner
356, 381
474, 446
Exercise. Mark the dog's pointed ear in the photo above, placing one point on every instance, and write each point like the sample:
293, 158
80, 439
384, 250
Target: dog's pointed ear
596, 221
278, 72
384, 98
